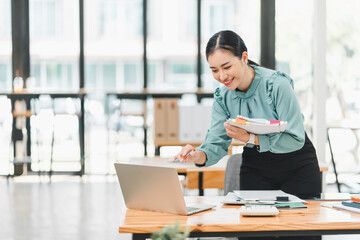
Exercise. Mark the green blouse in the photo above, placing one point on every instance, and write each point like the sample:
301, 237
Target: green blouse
270, 96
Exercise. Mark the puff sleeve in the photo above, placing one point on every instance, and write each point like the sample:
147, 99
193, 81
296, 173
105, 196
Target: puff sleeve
282, 97
216, 141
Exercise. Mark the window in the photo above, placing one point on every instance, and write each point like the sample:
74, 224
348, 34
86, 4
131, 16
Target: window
133, 75
5, 75
109, 76
113, 44
54, 43
294, 48
43, 15
59, 74
36, 73
182, 74
217, 15
343, 57
108, 17
91, 75
115, 16
343, 82
52, 74
172, 47
5, 46
133, 13
241, 16
5, 18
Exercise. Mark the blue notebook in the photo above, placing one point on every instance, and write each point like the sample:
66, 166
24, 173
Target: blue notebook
351, 204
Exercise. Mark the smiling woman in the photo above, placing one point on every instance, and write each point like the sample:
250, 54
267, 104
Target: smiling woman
285, 161
231, 71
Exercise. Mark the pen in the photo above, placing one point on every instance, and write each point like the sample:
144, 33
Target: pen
186, 156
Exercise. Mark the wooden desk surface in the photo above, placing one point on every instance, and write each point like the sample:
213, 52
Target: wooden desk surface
181, 167
185, 167
227, 219
194, 144
50, 92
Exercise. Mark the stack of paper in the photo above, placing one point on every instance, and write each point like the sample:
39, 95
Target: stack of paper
257, 125
353, 205
340, 205
240, 197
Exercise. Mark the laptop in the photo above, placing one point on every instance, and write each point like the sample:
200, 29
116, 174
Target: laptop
154, 188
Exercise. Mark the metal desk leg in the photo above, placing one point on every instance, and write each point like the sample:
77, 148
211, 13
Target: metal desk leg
333, 163
140, 236
28, 129
145, 142
145, 127
52, 139
82, 135
107, 112
201, 188
157, 150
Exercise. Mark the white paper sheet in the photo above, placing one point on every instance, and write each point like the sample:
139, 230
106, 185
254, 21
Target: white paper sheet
265, 195
338, 205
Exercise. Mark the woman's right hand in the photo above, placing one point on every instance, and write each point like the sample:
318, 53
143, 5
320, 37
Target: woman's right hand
195, 156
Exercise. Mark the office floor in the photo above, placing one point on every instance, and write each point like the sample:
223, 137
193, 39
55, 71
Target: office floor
67, 208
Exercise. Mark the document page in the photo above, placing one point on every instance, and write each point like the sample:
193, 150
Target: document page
265, 195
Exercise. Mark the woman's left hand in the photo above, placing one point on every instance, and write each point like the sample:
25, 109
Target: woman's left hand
237, 133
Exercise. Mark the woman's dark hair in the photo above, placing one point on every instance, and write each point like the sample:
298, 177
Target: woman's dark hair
227, 40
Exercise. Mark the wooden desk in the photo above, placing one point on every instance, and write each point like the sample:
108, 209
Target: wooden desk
225, 221
159, 144
197, 178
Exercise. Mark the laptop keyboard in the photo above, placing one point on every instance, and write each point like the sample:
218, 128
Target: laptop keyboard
192, 209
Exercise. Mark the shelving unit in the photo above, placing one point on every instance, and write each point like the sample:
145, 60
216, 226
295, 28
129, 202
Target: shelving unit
28, 97
145, 96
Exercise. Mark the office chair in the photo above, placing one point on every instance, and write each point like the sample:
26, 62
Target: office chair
232, 173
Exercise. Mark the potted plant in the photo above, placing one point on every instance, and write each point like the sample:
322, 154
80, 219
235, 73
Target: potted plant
171, 232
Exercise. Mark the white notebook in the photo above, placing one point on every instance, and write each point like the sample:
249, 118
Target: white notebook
259, 126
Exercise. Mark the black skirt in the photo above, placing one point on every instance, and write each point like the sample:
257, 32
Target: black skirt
296, 172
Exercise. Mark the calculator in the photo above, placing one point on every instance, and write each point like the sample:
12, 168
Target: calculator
258, 210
